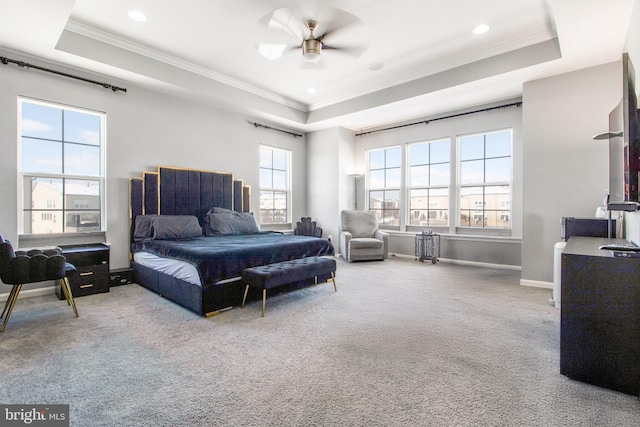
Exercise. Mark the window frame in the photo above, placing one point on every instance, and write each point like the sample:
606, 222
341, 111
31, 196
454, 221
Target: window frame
501, 214
286, 191
410, 187
380, 213
100, 179
484, 184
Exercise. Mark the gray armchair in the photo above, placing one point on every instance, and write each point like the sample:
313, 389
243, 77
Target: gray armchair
360, 239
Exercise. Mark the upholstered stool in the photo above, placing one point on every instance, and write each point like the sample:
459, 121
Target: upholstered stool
287, 272
20, 267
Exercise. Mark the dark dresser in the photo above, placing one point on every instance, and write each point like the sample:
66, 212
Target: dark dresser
92, 262
600, 315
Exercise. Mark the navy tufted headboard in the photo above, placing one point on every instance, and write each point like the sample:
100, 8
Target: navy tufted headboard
180, 191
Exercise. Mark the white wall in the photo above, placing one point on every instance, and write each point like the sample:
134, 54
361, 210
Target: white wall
330, 187
632, 45
144, 129
565, 172
322, 173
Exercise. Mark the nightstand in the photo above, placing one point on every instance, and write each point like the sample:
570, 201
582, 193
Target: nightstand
92, 262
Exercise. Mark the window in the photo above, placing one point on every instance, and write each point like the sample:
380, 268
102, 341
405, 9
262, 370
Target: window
485, 180
384, 175
61, 168
274, 185
428, 183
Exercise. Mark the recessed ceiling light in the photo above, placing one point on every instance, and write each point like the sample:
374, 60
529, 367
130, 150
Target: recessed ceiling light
311, 90
136, 15
376, 66
481, 29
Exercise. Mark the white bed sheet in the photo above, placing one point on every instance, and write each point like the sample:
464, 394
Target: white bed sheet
172, 267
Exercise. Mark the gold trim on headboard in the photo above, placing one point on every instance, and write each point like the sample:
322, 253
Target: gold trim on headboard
246, 191
144, 174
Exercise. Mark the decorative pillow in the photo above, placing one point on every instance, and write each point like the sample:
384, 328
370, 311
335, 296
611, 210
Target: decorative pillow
142, 228
230, 224
170, 227
217, 209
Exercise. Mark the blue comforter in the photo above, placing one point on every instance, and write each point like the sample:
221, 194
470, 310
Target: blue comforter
224, 257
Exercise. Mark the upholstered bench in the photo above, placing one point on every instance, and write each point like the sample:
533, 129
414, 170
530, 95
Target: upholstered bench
287, 272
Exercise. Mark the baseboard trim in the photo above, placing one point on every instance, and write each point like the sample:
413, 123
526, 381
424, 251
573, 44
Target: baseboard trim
536, 284
462, 262
30, 293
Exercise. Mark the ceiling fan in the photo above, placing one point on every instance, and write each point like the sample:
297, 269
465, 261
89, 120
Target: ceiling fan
311, 46
337, 26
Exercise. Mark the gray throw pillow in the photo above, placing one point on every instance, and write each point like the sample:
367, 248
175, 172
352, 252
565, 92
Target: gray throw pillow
142, 227
230, 224
170, 227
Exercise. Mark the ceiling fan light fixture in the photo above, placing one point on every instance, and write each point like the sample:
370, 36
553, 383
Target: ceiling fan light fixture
311, 49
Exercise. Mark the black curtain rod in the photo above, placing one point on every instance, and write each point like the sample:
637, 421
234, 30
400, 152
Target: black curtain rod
426, 122
258, 125
5, 61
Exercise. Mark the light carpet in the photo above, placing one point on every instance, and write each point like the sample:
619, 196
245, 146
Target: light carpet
402, 343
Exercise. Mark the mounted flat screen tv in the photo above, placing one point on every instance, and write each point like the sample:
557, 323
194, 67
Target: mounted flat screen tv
624, 146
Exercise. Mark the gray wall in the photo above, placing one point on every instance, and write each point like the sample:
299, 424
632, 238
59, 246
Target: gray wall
472, 248
144, 129
565, 172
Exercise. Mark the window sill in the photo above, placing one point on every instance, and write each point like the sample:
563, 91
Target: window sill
465, 237
55, 239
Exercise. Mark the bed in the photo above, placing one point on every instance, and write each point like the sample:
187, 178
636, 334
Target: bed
192, 234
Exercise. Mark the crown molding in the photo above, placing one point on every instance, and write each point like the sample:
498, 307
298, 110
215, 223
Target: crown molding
139, 49
443, 64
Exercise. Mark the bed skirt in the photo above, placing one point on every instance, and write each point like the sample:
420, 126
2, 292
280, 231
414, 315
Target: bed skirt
206, 300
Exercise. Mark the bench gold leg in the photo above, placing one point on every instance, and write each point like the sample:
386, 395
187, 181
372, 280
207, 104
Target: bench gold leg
333, 279
66, 290
13, 296
246, 290
63, 287
264, 300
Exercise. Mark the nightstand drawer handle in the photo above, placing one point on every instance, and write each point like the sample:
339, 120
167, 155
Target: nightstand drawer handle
86, 286
87, 274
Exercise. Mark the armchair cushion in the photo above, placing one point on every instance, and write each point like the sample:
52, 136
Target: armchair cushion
365, 243
359, 223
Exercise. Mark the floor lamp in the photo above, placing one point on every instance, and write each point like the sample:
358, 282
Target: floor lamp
355, 183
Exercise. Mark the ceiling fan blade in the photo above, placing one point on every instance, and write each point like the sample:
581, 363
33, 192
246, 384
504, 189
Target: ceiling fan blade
338, 24
353, 51
281, 24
